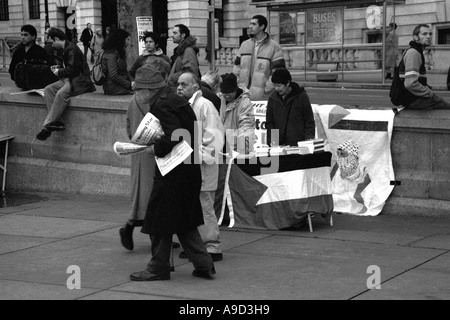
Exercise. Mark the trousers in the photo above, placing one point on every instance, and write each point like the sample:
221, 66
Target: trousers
209, 231
57, 98
192, 244
435, 102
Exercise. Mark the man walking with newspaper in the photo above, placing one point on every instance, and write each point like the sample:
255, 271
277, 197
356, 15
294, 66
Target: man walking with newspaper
211, 142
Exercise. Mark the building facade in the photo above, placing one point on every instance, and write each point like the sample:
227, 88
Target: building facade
359, 44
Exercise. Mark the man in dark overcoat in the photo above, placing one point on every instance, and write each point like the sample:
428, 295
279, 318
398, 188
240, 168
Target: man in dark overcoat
174, 206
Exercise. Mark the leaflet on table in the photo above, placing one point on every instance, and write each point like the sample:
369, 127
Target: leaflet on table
148, 131
38, 91
178, 154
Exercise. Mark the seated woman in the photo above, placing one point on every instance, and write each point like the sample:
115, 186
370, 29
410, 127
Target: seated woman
114, 64
151, 54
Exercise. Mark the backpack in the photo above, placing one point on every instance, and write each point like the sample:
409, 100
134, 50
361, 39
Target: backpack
98, 76
398, 93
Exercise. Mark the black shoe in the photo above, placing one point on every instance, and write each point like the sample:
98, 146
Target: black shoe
216, 256
126, 237
56, 126
206, 274
175, 245
43, 135
147, 276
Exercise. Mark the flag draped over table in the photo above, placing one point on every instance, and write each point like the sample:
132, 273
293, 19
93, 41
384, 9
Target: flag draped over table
276, 195
362, 169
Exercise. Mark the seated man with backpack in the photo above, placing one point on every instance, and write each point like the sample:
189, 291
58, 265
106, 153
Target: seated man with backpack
417, 94
30, 64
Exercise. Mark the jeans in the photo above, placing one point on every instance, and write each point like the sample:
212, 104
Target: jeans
57, 98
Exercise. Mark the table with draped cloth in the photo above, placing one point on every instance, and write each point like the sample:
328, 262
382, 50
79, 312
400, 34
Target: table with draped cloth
275, 192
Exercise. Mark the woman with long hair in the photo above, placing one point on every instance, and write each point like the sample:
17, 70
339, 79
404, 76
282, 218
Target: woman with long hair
114, 64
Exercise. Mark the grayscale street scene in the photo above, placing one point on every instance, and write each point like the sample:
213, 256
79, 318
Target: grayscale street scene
216, 151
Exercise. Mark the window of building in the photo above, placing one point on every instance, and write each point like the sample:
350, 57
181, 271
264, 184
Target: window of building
34, 9
443, 35
4, 12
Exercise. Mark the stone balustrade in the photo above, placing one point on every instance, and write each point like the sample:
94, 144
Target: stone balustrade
357, 57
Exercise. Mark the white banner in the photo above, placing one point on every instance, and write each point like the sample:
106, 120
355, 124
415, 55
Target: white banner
362, 169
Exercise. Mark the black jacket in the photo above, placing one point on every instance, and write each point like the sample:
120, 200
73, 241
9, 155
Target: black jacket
35, 52
292, 116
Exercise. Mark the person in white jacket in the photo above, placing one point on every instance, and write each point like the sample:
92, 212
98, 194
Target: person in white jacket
211, 140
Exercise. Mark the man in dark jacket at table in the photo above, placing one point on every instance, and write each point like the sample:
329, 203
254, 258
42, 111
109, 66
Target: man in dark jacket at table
75, 79
288, 111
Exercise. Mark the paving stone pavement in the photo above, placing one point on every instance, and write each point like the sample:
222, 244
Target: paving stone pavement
42, 238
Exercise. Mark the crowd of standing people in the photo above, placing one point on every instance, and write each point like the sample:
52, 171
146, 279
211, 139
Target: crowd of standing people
214, 109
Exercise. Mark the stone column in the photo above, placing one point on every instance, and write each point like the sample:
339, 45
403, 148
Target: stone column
194, 14
128, 10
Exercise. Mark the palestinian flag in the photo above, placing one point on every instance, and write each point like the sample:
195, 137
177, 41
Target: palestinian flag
274, 192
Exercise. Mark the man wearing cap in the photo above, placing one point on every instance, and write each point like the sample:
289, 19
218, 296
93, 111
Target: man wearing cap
236, 113
257, 58
174, 206
211, 142
148, 85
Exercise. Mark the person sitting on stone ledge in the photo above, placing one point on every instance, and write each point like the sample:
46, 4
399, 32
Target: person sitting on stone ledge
114, 64
413, 71
75, 79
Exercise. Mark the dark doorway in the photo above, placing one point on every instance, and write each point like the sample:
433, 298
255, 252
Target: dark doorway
160, 24
109, 14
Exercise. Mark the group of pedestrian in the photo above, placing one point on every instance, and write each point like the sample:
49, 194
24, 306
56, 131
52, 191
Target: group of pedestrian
216, 113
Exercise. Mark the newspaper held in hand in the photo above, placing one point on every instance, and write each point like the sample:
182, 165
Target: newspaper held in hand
178, 154
148, 131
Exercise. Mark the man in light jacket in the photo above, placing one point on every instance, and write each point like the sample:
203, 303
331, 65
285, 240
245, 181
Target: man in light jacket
236, 113
256, 59
211, 141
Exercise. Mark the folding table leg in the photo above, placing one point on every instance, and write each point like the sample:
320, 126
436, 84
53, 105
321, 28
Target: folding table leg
4, 166
310, 223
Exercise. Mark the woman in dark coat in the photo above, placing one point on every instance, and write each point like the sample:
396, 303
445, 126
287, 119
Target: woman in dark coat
114, 64
174, 206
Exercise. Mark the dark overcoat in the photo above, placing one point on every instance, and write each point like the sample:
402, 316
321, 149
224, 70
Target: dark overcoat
174, 205
292, 116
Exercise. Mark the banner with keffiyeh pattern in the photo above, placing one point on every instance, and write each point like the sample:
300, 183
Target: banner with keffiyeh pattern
361, 166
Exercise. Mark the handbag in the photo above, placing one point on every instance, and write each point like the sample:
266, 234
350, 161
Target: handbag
33, 74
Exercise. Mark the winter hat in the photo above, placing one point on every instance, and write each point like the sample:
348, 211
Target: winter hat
149, 77
229, 83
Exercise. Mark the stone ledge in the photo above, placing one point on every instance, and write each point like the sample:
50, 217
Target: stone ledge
40, 175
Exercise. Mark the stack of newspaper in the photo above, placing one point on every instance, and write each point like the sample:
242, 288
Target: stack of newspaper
147, 133
312, 146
